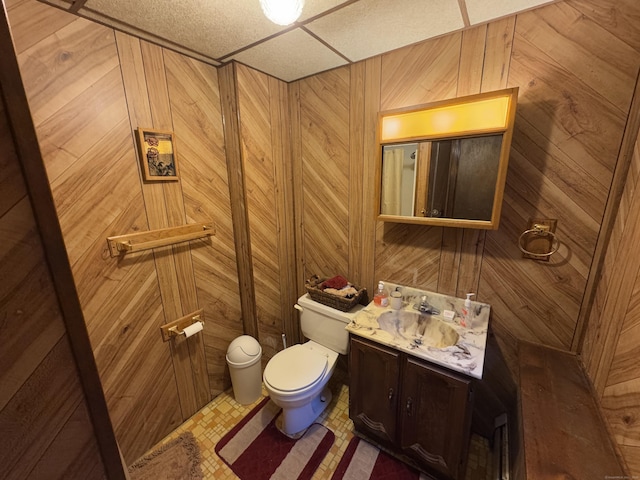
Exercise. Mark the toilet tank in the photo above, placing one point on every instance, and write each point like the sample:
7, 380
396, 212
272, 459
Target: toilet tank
326, 325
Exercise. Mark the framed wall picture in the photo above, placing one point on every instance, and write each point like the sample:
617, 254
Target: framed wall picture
158, 155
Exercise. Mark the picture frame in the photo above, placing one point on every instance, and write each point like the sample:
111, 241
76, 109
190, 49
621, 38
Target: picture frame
158, 157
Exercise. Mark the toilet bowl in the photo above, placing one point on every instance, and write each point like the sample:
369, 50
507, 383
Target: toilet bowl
296, 378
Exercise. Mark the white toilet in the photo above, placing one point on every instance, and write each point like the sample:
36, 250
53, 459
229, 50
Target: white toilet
296, 378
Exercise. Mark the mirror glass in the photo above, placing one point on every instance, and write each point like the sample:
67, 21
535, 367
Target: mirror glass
451, 178
445, 163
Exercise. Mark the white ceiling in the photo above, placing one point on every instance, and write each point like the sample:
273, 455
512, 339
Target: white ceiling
330, 33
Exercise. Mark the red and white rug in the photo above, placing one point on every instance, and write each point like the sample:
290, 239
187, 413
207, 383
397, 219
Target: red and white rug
362, 461
256, 450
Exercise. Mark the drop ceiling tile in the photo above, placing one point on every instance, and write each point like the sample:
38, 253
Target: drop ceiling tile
206, 26
312, 8
371, 27
290, 56
481, 11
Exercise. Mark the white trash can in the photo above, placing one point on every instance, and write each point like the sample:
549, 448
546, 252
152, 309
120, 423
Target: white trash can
243, 357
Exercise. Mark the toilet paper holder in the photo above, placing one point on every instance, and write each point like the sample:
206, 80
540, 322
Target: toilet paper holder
177, 327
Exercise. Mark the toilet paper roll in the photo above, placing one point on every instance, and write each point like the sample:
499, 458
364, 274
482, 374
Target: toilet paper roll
193, 329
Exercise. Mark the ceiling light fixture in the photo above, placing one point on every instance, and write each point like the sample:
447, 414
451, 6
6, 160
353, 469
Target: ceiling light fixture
282, 12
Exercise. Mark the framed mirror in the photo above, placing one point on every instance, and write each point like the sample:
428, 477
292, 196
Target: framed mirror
445, 163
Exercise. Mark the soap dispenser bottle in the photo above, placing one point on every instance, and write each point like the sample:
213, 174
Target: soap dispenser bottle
466, 319
381, 298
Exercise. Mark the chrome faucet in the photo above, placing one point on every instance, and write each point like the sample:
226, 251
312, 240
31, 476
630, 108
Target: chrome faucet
424, 307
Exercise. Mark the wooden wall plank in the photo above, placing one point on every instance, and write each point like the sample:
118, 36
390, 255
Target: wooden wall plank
70, 455
94, 56
421, 73
39, 21
499, 45
156, 83
472, 58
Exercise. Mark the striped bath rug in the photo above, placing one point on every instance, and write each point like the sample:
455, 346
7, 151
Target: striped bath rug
256, 450
362, 461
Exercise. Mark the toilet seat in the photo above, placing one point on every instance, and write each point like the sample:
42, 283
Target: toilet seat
295, 368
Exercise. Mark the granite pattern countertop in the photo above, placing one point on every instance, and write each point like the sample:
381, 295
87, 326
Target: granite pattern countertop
426, 336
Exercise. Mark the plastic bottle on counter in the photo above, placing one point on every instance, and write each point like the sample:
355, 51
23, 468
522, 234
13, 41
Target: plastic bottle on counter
466, 319
381, 298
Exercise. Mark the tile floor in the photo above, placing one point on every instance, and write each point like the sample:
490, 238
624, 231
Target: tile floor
211, 423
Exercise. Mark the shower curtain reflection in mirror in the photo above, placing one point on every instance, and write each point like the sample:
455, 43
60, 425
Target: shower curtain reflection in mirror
398, 180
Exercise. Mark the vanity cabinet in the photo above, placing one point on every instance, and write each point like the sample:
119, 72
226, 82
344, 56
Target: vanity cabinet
417, 410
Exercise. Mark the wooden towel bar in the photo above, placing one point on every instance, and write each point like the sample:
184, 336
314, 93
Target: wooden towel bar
134, 242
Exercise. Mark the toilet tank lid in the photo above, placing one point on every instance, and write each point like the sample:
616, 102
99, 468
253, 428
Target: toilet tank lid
243, 349
305, 301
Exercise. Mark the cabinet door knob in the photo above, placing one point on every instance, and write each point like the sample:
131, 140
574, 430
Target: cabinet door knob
390, 394
409, 405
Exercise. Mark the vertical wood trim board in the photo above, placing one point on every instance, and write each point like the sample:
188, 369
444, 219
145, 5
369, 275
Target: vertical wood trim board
298, 197
372, 99
285, 214
231, 122
356, 170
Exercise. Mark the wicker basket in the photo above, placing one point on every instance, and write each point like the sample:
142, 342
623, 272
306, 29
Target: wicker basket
335, 301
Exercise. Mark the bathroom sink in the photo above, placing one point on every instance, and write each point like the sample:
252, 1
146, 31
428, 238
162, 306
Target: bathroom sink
418, 328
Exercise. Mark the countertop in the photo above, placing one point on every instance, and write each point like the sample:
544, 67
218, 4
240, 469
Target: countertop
466, 356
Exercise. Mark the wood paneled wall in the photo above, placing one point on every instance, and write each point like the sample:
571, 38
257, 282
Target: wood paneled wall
89, 88
576, 65
576, 76
49, 431
610, 347
50, 427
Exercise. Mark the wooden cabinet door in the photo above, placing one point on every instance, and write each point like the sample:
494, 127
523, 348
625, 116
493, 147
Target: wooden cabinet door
435, 416
374, 384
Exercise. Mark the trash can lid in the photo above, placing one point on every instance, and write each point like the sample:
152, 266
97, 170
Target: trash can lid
243, 349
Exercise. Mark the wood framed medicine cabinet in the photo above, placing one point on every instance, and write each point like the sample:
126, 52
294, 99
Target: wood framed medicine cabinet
445, 163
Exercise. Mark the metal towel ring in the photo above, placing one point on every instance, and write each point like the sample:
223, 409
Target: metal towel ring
541, 232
